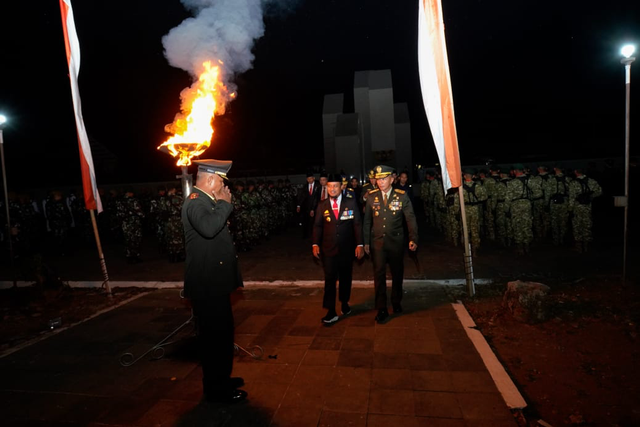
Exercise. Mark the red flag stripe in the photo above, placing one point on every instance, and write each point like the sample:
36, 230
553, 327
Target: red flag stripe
72, 47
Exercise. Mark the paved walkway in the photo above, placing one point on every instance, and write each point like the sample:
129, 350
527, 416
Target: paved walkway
418, 369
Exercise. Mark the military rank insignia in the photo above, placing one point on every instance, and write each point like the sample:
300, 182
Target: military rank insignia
327, 215
194, 196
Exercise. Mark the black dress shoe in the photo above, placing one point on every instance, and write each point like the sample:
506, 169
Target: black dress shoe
227, 397
346, 309
382, 315
236, 382
397, 308
330, 318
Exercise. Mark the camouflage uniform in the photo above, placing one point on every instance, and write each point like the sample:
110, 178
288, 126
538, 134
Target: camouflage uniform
489, 184
173, 230
158, 216
474, 195
558, 193
582, 191
437, 203
539, 205
130, 214
59, 219
425, 190
518, 203
452, 222
503, 224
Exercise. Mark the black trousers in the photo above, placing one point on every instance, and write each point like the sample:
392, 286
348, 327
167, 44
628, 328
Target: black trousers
214, 320
380, 258
340, 268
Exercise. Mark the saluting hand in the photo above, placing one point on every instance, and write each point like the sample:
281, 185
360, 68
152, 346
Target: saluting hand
223, 194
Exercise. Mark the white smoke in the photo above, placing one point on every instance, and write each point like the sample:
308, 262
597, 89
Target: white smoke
221, 31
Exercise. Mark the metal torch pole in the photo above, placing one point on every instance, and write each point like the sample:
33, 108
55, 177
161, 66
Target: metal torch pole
6, 204
187, 182
627, 68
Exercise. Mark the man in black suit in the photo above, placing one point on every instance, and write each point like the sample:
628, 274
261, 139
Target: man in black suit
384, 238
211, 275
337, 238
308, 197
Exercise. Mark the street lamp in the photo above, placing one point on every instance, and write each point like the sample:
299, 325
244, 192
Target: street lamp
627, 51
3, 121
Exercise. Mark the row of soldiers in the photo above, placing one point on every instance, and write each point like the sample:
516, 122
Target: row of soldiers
512, 206
260, 209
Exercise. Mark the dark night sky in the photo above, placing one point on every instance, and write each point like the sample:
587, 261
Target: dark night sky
529, 79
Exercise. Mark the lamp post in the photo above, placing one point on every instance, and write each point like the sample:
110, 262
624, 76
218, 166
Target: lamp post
627, 51
3, 121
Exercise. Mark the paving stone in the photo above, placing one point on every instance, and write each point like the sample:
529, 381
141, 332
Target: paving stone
483, 406
296, 416
321, 357
432, 380
356, 359
392, 402
342, 419
347, 400
391, 360
326, 343
392, 379
383, 420
437, 404
357, 344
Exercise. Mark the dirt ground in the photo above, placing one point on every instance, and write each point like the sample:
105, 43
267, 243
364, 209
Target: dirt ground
579, 367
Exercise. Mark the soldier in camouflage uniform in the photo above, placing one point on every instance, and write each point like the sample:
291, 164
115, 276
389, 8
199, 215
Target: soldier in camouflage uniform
158, 217
474, 195
489, 182
130, 214
558, 193
251, 201
59, 219
582, 191
518, 204
540, 203
238, 221
173, 230
437, 203
503, 224
291, 194
425, 195
452, 222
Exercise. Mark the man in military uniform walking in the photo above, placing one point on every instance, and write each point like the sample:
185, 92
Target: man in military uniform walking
211, 275
384, 238
337, 232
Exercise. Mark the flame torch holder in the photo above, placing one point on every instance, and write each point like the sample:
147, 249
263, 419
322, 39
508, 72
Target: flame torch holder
187, 181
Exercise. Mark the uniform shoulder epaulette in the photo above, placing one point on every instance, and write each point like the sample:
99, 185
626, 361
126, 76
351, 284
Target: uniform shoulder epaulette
194, 196
350, 189
373, 191
349, 194
397, 190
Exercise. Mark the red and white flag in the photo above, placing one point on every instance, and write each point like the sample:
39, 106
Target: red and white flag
435, 82
91, 196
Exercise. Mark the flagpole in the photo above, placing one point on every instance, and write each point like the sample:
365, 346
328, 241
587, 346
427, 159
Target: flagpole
468, 259
103, 264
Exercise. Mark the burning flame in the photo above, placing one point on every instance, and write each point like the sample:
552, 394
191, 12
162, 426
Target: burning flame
192, 129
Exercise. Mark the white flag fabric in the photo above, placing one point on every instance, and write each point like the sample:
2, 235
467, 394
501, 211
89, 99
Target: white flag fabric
72, 45
437, 96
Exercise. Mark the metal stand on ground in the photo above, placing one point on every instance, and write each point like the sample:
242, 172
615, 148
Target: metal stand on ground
157, 351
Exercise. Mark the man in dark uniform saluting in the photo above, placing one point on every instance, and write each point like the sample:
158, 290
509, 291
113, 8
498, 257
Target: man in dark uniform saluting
211, 275
384, 238
337, 233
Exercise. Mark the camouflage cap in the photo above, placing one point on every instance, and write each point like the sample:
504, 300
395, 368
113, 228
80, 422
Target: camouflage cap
469, 171
518, 167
